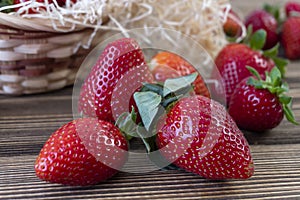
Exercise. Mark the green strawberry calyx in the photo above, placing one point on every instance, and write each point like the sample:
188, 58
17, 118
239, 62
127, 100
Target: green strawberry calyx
153, 101
257, 40
274, 84
273, 10
153, 98
128, 126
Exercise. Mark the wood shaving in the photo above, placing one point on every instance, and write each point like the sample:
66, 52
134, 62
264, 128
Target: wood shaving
202, 20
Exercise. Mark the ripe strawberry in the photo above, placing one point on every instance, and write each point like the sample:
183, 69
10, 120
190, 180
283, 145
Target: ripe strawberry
259, 105
232, 61
291, 8
193, 132
169, 65
82, 152
261, 19
232, 26
291, 37
199, 136
119, 71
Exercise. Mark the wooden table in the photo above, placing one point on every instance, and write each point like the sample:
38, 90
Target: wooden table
26, 122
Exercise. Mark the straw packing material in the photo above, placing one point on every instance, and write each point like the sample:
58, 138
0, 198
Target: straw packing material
200, 19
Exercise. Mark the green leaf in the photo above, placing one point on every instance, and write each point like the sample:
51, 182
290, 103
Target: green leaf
275, 76
258, 39
256, 83
133, 114
246, 40
289, 114
281, 63
147, 103
157, 88
273, 10
254, 72
280, 91
285, 86
285, 99
126, 124
148, 138
173, 85
273, 52
143, 135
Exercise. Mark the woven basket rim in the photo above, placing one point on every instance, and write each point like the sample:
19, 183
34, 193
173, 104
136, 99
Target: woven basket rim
35, 24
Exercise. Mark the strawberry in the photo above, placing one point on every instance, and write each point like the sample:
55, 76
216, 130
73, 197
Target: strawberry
261, 19
232, 26
199, 136
119, 71
82, 152
169, 65
232, 60
259, 105
292, 8
291, 38
193, 132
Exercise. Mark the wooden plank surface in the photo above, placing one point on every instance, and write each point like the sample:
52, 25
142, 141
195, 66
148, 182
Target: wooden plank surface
26, 123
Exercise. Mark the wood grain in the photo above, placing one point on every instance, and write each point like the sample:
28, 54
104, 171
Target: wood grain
277, 175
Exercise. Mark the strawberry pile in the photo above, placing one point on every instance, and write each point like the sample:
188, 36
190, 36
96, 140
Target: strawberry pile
167, 105
123, 99
253, 74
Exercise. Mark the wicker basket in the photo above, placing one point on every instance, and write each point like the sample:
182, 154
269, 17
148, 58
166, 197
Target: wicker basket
34, 58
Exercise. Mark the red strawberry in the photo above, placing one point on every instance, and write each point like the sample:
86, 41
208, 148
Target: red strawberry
291, 8
261, 19
291, 37
82, 152
169, 65
232, 61
193, 132
199, 136
232, 26
258, 105
119, 71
